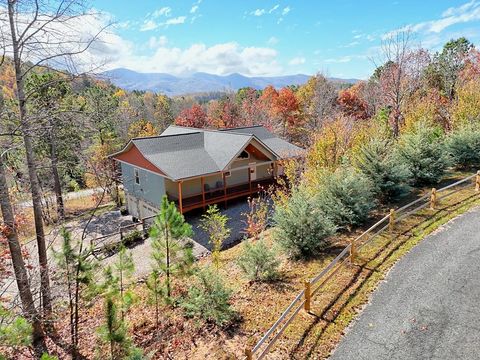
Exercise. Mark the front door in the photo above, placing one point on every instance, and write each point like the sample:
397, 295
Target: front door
253, 171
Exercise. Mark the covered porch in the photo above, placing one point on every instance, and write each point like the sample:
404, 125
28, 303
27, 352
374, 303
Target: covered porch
217, 188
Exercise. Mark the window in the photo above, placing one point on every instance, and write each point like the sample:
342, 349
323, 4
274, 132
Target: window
137, 176
244, 155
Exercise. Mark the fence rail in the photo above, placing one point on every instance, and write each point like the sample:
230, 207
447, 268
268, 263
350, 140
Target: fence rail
348, 254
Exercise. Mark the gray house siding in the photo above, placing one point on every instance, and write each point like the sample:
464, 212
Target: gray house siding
150, 190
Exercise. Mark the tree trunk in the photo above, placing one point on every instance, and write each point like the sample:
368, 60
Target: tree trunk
57, 186
21, 277
32, 171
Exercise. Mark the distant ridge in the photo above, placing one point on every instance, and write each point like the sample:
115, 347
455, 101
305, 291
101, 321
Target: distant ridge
199, 82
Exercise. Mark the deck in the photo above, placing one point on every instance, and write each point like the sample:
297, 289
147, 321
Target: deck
219, 195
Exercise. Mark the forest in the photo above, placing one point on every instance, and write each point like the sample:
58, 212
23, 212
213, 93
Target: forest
413, 122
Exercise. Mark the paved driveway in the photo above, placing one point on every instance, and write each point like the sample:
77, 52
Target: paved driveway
428, 307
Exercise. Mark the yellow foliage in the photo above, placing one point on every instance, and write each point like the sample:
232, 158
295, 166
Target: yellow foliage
466, 109
120, 93
430, 109
331, 144
142, 128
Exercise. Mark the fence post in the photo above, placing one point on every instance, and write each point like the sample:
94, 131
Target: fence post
477, 181
308, 296
353, 251
121, 234
391, 220
144, 229
433, 199
248, 353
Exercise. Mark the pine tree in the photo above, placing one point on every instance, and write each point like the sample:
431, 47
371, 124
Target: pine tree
123, 271
170, 256
75, 273
215, 224
118, 297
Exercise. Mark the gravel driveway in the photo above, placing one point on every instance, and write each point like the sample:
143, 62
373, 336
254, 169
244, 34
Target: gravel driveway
141, 253
428, 305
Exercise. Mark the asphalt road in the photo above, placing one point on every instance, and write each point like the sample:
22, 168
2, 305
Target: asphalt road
428, 307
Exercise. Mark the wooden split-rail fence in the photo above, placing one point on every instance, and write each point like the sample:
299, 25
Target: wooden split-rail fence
303, 300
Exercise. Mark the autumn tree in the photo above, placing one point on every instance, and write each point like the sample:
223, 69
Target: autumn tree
317, 100
448, 64
192, 117
351, 104
400, 74
141, 128
286, 108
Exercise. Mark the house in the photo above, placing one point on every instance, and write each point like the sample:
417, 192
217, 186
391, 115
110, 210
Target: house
199, 167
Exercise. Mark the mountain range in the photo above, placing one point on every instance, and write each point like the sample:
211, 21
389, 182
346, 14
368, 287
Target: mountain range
199, 82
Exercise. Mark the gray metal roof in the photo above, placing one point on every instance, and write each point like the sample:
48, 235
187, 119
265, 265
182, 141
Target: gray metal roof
182, 152
281, 147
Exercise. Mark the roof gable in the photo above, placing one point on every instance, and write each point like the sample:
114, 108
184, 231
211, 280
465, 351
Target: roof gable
132, 155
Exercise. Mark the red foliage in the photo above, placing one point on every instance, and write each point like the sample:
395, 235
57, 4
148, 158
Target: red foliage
192, 117
471, 69
352, 105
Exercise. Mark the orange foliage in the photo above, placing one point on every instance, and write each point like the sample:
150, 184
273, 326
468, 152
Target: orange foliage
351, 104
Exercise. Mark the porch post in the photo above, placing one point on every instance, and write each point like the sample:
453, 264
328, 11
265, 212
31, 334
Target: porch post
275, 169
180, 205
225, 189
203, 192
250, 179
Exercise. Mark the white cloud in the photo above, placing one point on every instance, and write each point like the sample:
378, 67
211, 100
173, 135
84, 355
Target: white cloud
286, 10
175, 21
272, 41
112, 51
155, 42
465, 13
194, 9
273, 8
148, 25
164, 11
221, 59
459, 10
297, 61
258, 12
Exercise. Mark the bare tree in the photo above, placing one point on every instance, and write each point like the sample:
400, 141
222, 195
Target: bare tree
318, 101
392, 74
38, 33
9, 230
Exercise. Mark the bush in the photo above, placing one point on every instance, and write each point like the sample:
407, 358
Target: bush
302, 228
424, 153
258, 262
389, 178
209, 299
345, 196
463, 146
132, 237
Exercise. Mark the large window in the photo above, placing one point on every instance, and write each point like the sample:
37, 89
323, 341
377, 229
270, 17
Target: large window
137, 176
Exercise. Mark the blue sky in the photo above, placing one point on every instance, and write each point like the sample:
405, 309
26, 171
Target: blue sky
339, 37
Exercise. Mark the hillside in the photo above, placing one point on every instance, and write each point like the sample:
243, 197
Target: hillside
199, 82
